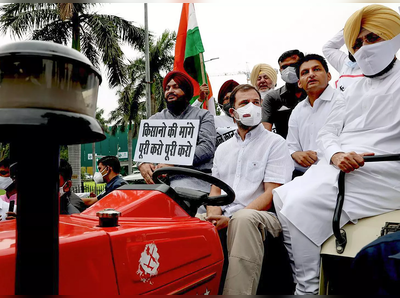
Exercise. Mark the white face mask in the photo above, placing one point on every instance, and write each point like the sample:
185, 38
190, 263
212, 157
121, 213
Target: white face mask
289, 75
5, 182
374, 58
98, 177
61, 189
249, 115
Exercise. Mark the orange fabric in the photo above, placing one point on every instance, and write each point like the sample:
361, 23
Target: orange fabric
180, 47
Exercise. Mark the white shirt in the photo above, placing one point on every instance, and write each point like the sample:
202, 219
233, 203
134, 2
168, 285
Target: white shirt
210, 105
305, 122
4, 209
224, 121
364, 118
349, 71
220, 121
245, 165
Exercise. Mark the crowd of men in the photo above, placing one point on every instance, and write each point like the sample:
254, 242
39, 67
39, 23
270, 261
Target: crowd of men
287, 148
320, 131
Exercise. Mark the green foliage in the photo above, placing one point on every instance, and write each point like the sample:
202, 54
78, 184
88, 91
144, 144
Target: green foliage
161, 62
64, 152
83, 172
92, 183
217, 109
98, 37
101, 120
4, 150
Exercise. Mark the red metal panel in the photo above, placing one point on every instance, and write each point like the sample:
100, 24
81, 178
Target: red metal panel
182, 249
189, 251
139, 203
203, 282
86, 265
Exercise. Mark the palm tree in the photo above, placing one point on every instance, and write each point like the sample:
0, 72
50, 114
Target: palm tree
131, 108
97, 36
128, 115
161, 61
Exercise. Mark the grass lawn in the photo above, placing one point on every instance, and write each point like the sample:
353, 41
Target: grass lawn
91, 183
86, 183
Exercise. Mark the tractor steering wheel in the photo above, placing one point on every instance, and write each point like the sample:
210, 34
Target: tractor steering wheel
204, 199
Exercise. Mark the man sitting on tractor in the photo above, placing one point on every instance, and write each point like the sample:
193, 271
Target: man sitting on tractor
365, 120
253, 162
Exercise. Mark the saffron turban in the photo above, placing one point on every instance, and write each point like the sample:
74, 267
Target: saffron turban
182, 80
263, 68
379, 19
226, 87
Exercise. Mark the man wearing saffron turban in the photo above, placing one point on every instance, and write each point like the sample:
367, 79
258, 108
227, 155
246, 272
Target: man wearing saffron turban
263, 77
365, 120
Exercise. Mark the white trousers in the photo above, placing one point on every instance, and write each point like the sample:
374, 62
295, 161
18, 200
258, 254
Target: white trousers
303, 253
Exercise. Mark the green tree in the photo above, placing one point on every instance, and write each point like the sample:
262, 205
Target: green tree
128, 115
64, 152
161, 62
97, 36
4, 150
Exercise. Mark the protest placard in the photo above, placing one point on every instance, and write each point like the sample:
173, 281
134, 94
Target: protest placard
224, 134
167, 141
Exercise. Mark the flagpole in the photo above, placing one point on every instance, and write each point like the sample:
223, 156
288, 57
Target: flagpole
203, 76
147, 63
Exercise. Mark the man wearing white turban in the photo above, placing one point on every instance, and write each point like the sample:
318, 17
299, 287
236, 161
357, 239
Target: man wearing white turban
364, 121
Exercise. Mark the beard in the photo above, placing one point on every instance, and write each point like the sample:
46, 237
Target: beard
242, 126
225, 108
177, 106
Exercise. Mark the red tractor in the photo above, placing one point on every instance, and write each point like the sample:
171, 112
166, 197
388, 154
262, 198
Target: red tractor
139, 239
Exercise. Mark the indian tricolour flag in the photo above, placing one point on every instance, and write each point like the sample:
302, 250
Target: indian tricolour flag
189, 51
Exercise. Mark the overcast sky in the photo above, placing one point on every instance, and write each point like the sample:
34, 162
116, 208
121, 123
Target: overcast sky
241, 34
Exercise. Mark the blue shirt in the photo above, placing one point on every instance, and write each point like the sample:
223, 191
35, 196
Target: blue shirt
115, 182
376, 267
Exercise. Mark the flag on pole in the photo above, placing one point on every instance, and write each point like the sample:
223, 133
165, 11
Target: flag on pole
189, 52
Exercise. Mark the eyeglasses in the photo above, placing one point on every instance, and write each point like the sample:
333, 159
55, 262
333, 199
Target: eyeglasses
369, 38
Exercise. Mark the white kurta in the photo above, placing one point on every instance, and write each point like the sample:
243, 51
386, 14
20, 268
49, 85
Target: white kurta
365, 118
306, 121
348, 70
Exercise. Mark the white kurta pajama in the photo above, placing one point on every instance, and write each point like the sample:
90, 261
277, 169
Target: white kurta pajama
365, 118
305, 123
